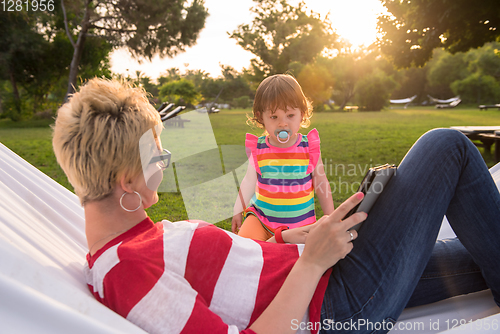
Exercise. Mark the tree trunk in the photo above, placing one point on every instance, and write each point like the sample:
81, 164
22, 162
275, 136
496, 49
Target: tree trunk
77, 54
75, 62
15, 92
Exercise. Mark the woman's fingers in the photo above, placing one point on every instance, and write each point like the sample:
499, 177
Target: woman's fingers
345, 207
330, 238
354, 220
352, 235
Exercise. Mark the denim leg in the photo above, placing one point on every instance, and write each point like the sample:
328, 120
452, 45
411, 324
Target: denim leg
451, 271
442, 174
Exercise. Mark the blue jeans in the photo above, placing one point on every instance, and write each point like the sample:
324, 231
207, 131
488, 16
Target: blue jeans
396, 261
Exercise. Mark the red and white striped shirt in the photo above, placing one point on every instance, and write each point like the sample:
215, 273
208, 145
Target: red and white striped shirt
192, 277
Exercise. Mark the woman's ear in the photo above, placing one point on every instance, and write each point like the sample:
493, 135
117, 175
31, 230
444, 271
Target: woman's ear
126, 182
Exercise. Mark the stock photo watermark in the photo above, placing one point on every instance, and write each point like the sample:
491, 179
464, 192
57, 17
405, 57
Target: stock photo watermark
465, 325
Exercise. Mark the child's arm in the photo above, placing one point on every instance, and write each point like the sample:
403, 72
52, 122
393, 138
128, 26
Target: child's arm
322, 188
247, 189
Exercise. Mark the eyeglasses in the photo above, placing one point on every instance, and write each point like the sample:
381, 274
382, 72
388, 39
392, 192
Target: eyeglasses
163, 160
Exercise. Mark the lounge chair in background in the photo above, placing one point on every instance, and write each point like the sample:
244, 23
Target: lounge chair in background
452, 104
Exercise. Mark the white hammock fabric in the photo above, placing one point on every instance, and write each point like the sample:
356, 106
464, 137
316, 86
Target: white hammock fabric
404, 101
453, 99
42, 254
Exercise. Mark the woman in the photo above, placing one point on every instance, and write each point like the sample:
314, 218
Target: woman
192, 277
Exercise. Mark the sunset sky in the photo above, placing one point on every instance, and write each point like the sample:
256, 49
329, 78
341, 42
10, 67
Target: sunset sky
354, 20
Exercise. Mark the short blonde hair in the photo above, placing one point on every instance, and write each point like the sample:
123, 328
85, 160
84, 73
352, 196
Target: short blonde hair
96, 136
280, 91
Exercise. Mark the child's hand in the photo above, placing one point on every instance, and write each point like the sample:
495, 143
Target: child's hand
236, 222
296, 235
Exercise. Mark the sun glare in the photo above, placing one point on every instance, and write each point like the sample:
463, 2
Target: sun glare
354, 20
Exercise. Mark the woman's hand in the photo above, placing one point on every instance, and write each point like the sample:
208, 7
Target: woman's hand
329, 239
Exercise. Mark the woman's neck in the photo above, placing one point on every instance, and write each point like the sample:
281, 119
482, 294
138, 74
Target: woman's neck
105, 220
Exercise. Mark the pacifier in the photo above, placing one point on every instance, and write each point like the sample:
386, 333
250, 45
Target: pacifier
283, 136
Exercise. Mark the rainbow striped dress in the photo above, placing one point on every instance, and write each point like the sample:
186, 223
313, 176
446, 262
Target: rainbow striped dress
284, 193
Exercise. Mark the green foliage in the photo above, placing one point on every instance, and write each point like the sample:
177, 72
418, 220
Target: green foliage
446, 68
146, 28
477, 88
485, 60
229, 87
20, 49
242, 102
180, 91
347, 69
281, 34
234, 84
34, 58
316, 83
411, 81
10, 106
414, 28
473, 75
374, 90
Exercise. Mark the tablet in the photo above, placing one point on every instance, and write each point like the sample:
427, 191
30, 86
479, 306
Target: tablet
372, 186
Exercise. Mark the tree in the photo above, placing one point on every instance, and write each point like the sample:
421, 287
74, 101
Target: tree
347, 69
477, 88
443, 69
374, 90
34, 57
316, 82
146, 28
411, 81
281, 34
180, 91
416, 27
20, 46
486, 60
347, 73
235, 84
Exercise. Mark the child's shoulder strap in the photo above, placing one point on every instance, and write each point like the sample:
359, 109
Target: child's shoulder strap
251, 146
314, 149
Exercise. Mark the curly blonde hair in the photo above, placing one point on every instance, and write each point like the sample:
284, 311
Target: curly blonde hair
280, 91
96, 136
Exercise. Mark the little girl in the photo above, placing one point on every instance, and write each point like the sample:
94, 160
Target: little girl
284, 167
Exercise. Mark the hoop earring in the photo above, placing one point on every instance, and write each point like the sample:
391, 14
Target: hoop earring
140, 202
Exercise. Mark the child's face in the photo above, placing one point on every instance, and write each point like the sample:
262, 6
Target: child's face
281, 120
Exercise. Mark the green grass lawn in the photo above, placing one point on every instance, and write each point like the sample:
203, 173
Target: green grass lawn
350, 143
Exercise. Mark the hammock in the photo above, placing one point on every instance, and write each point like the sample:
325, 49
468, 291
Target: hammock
453, 99
406, 101
401, 101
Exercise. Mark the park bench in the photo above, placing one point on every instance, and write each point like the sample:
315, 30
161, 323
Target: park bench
487, 135
172, 118
176, 121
